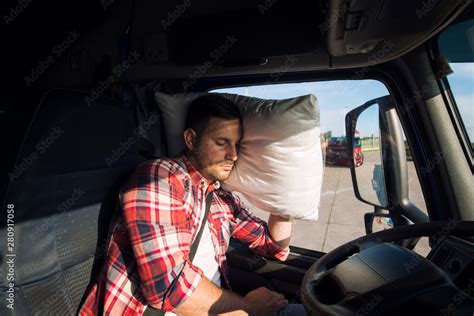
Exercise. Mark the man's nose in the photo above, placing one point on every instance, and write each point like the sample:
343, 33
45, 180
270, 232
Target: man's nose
232, 153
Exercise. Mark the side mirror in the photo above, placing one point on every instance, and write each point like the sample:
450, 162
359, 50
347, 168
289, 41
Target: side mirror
382, 179
378, 221
364, 141
375, 222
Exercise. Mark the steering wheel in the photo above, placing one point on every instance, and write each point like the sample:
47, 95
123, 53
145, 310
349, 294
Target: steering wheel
369, 275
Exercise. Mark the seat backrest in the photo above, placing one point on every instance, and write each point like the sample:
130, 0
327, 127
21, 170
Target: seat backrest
62, 194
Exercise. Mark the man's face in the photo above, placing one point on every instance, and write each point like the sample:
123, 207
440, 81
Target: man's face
215, 151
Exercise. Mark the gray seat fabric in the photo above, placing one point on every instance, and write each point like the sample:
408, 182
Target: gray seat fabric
64, 191
146, 112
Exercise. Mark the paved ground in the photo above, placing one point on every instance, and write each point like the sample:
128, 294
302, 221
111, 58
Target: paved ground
341, 215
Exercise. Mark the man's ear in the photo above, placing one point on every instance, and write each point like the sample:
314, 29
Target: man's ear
190, 138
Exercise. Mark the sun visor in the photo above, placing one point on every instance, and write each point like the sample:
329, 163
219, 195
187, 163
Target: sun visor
247, 36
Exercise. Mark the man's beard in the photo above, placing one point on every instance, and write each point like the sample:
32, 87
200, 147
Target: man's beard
202, 164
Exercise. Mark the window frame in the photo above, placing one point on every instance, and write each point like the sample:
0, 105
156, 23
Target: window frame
450, 99
371, 73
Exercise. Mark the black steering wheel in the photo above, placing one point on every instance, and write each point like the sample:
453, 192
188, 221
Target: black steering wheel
370, 276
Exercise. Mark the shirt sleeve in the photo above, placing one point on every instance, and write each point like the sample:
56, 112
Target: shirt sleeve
160, 235
253, 231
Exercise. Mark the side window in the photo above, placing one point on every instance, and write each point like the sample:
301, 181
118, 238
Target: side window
341, 214
457, 44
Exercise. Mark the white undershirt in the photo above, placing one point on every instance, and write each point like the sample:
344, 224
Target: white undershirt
205, 259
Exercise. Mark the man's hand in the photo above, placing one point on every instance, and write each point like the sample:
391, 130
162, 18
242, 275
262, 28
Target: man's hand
263, 301
209, 299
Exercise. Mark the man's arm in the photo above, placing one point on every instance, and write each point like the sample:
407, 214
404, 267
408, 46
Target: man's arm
255, 232
210, 299
280, 229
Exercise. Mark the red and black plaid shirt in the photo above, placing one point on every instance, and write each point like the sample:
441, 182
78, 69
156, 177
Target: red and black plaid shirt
147, 259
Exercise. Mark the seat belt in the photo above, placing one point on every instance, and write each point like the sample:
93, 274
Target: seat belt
150, 311
196, 241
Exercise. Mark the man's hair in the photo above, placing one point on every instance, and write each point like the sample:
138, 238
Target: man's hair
202, 108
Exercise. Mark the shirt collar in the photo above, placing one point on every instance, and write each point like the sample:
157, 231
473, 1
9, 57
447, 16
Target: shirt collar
196, 177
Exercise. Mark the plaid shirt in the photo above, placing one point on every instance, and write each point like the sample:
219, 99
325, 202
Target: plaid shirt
147, 259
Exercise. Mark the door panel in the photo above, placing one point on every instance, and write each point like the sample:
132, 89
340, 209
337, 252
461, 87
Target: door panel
248, 271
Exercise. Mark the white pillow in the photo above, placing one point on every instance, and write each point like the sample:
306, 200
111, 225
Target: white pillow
280, 165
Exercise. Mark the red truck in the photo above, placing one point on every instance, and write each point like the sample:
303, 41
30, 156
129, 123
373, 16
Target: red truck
336, 152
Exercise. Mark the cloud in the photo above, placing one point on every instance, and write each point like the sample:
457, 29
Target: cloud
465, 104
465, 70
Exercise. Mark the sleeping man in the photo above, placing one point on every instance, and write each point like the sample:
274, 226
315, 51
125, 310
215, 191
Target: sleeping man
148, 265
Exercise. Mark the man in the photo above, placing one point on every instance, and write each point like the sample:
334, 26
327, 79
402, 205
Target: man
162, 208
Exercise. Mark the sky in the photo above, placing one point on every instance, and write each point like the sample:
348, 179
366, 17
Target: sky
462, 86
335, 98
338, 97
